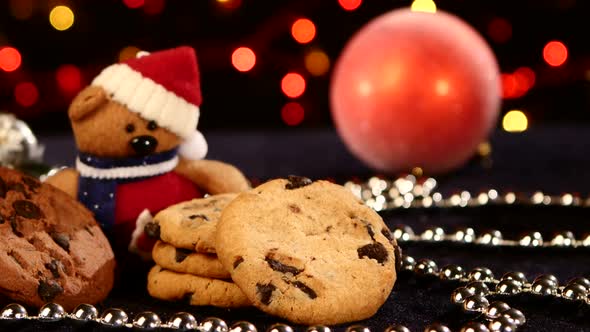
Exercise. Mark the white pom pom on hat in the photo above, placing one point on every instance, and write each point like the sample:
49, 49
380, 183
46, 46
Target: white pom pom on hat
195, 147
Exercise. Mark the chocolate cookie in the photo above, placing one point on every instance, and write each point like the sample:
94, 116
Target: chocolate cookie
308, 252
51, 248
190, 225
187, 261
171, 286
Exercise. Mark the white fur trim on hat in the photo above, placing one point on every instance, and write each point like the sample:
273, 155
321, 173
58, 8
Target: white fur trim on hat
149, 99
194, 147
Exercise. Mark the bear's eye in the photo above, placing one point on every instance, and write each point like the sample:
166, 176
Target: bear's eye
130, 128
152, 125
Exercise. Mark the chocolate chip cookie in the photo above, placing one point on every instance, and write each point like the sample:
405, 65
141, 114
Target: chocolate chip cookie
309, 252
194, 290
187, 261
190, 225
51, 248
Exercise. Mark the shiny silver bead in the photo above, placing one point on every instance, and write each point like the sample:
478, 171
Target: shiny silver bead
182, 321
51, 312
481, 274
509, 287
13, 311
460, 294
407, 263
426, 267
114, 317
85, 312
466, 235
544, 287
317, 328
474, 327
478, 288
397, 328
574, 292
433, 234
496, 308
586, 241
451, 272
516, 315
580, 281
563, 239
502, 324
492, 238
518, 276
147, 320
549, 277
214, 324
357, 328
244, 326
534, 239
437, 327
403, 233
476, 303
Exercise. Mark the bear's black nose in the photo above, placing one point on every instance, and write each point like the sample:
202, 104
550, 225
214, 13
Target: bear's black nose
144, 145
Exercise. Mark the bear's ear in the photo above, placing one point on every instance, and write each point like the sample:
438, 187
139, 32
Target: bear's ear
86, 102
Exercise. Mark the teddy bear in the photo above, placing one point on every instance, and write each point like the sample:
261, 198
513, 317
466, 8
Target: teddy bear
138, 148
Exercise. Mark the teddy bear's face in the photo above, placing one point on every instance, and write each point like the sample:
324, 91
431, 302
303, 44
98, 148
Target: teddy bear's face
106, 128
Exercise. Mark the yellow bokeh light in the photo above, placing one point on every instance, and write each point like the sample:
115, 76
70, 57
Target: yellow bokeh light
515, 121
128, 52
317, 63
61, 18
427, 6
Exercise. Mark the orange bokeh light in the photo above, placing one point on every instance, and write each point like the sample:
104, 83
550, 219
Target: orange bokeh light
303, 30
500, 30
293, 85
350, 4
26, 94
69, 79
555, 53
292, 113
243, 59
10, 59
133, 3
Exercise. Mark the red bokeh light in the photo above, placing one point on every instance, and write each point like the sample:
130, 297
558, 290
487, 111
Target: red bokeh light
230, 4
555, 53
69, 79
10, 59
509, 86
303, 30
26, 94
526, 77
517, 84
500, 30
350, 4
243, 59
292, 113
154, 7
293, 85
134, 3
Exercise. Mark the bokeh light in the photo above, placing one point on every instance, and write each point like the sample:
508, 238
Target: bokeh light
26, 94
303, 30
555, 53
292, 113
293, 85
230, 4
500, 30
133, 4
508, 85
515, 121
154, 7
317, 62
350, 4
61, 18
427, 6
21, 9
243, 59
10, 59
128, 52
69, 79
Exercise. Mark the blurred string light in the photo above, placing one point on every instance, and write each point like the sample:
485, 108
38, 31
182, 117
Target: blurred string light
317, 62
555, 53
134, 4
350, 4
10, 59
69, 79
515, 121
243, 59
303, 30
293, 85
26, 94
128, 52
154, 7
61, 18
292, 113
230, 4
517, 84
427, 6
21, 9
500, 30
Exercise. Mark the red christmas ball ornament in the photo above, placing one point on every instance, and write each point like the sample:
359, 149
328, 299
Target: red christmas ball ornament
415, 89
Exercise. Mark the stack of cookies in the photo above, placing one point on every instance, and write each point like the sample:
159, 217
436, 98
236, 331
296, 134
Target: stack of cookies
187, 267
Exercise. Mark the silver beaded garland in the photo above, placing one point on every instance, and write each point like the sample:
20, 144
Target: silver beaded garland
475, 303
182, 321
502, 324
147, 320
516, 315
397, 328
437, 327
474, 327
544, 287
460, 294
243, 326
408, 263
13, 311
580, 281
426, 267
51, 312
518, 276
357, 328
214, 324
452, 272
114, 317
495, 309
318, 328
574, 292
509, 287
481, 274
85, 312
478, 288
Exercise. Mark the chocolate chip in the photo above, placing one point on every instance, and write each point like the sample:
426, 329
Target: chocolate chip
62, 240
3, 188
195, 216
397, 251
152, 230
27, 209
48, 290
33, 184
280, 267
370, 231
306, 289
87, 228
329, 228
181, 254
374, 251
14, 226
53, 266
187, 298
297, 182
387, 233
2, 219
238, 261
294, 208
265, 292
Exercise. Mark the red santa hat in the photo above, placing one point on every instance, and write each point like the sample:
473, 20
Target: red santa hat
163, 87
